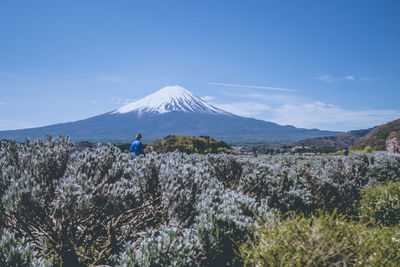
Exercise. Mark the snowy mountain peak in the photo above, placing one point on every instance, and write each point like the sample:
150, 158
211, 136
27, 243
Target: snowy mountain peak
170, 98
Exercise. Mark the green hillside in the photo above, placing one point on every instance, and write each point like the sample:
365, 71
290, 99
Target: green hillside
189, 144
376, 139
341, 141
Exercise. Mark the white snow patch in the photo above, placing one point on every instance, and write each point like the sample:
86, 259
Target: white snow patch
170, 98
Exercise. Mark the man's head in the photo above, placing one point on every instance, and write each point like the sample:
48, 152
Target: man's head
139, 136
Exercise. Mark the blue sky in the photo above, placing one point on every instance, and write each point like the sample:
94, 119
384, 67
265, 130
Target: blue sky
68, 60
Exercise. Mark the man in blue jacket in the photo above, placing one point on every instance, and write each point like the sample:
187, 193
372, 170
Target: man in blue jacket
137, 146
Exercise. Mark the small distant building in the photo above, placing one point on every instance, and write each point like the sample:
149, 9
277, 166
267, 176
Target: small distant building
393, 145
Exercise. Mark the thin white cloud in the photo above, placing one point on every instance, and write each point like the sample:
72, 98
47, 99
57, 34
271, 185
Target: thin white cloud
331, 117
278, 98
207, 98
253, 86
364, 79
122, 101
306, 113
2, 103
329, 78
95, 102
42, 72
112, 79
246, 109
16, 125
325, 78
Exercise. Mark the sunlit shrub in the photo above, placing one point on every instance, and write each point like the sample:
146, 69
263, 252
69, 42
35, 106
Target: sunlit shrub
368, 149
322, 240
381, 204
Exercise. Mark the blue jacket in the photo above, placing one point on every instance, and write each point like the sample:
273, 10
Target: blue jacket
136, 148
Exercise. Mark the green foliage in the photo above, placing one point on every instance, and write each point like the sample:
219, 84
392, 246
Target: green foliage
189, 144
381, 204
224, 219
74, 208
15, 252
226, 168
368, 149
168, 247
322, 240
383, 167
394, 134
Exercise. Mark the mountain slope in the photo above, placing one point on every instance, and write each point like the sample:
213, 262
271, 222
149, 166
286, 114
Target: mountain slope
341, 141
376, 139
171, 110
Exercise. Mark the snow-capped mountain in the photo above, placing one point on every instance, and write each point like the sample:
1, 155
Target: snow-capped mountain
170, 110
170, 98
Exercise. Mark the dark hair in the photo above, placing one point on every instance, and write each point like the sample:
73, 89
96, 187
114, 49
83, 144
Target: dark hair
138, 136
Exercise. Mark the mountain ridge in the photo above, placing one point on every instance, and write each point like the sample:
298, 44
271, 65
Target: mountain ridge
341, 141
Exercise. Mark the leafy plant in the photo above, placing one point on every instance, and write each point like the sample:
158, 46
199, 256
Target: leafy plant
167, 247
16, 252
381, 204
322, 240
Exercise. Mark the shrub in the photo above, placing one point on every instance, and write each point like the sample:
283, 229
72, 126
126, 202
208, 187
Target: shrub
283, 188
384, 167
324, 240
15, 252
168, 247
76, 209
225, 219
336, 182
381, 204
368, 149
226, 168
182, 179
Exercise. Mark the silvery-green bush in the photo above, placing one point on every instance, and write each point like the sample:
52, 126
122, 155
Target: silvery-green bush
225, 218
76, 206
282, 186
385, 166
16, 252
168, 247
182, 178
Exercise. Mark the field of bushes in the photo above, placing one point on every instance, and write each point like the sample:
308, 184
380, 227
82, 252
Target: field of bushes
101, 206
